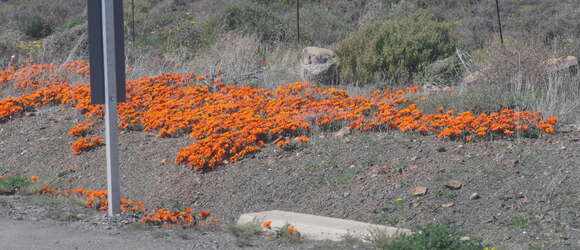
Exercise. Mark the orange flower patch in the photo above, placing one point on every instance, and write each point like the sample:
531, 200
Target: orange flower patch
231, 122
97, 199
165, 217
86, 144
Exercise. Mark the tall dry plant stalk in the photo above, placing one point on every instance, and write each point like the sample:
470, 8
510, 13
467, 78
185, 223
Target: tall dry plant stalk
516, 76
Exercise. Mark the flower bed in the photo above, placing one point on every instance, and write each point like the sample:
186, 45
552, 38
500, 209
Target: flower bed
230, 122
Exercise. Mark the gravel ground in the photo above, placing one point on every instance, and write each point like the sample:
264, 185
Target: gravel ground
527, 189
45, 222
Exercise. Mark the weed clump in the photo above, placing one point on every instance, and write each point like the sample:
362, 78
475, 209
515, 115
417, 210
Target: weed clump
433, 236
11, 184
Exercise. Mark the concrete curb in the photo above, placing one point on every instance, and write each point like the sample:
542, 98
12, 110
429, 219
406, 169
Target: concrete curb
319, 227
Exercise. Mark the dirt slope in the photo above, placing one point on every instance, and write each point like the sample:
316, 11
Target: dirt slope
528, 188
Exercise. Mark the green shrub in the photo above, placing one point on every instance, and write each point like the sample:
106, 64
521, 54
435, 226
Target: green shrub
34, 27
398, 50
13, 183
434, 236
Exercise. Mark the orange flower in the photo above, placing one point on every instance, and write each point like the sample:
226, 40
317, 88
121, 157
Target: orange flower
281, 143
70, 170
215, 220
267, 224
34, 178
302, 139
204, 214
86, 144
292, 229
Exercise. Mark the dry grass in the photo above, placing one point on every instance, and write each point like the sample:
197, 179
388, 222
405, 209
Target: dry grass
245, 234
243, 59
514, 76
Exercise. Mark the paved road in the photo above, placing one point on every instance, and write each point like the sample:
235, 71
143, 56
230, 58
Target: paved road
25, 235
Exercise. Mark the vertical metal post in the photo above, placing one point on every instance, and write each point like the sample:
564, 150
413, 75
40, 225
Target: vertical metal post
298, 20
95, 30
133, 20
499, 21
111, 68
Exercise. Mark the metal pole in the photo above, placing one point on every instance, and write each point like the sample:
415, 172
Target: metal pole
133, 20
499, 21
111, 67
298, 20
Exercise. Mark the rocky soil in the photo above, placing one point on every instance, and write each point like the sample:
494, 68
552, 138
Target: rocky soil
514, 194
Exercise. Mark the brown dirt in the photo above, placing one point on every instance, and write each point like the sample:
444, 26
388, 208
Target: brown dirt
528, 188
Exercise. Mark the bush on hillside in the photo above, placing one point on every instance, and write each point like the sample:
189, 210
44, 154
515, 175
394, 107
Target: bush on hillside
397, 50
34, 27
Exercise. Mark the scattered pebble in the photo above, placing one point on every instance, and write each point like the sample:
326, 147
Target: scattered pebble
454, 184
419, 191
474, 196
448, 205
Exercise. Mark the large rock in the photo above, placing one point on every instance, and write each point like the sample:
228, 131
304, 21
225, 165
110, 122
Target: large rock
319, 65
562, 64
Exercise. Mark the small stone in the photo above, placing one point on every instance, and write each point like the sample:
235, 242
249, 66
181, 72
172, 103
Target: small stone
447, 205
474, 196
419, 191
346, 194
465, 238
514, 162
454, 184
342, 132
